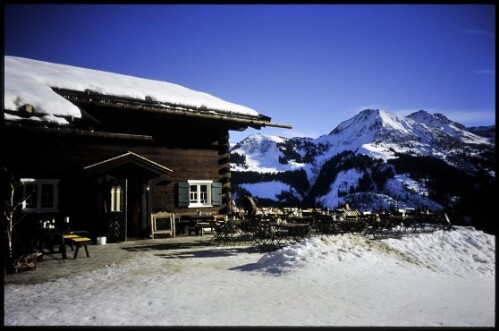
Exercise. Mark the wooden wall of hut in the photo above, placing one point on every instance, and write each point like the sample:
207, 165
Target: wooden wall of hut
202, 154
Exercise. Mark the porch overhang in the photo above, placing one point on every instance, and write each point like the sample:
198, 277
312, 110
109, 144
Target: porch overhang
129, 165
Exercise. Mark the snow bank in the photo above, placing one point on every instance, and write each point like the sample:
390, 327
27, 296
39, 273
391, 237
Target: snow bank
459, 252
438, 279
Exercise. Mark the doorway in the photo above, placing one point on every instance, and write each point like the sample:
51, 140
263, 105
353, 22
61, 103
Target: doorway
126, 179
137, 209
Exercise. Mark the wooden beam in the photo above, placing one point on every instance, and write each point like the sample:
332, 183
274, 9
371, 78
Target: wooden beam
82, 133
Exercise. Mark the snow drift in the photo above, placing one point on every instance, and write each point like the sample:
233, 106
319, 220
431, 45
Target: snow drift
431, 279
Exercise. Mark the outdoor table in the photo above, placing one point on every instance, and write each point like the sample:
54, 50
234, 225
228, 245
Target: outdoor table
300, 219
271, 235
327, 225
352, 225
292, 232
47, 239
195, 222
229, 232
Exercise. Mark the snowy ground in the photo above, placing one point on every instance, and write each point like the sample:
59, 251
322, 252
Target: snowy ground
438, 279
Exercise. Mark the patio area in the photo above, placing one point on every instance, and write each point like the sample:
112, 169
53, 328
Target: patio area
54, 266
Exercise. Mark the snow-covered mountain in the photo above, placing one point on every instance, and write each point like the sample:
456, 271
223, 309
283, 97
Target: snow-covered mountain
262, 153
382, 135
485, 131
376, 133
389, 141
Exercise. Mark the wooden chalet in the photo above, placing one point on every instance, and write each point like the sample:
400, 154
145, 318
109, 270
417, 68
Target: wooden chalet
123, 158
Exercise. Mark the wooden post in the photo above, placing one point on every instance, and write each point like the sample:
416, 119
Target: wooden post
224, 170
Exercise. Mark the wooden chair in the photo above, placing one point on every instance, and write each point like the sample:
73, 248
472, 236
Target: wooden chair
162, 223
251, 207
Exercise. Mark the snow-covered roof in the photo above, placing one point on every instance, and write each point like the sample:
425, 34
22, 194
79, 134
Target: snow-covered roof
31, 82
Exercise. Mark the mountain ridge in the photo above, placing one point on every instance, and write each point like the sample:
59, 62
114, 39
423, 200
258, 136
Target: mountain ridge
391, 142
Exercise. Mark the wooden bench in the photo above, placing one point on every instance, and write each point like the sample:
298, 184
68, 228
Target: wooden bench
79, 242
67, 238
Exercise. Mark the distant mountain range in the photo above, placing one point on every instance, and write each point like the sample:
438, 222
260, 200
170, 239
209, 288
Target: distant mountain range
374, 161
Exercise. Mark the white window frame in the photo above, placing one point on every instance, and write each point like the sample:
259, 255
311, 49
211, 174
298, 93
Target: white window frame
39, 183
197, 202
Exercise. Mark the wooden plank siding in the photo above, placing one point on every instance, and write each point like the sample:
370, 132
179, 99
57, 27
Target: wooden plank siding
38, 154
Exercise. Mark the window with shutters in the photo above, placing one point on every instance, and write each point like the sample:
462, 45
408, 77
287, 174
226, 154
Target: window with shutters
199, 193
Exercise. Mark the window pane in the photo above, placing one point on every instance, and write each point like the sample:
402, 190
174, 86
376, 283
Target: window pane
193, 193
47, 195
204, 194
118, 198
113, 199
31, 195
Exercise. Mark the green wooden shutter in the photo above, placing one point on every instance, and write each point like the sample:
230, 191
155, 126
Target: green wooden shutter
216, 194
183, 194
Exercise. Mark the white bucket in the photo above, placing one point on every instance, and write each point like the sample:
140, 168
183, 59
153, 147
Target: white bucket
101, 240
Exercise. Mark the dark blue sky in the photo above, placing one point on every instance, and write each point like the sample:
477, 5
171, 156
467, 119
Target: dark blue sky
312, 66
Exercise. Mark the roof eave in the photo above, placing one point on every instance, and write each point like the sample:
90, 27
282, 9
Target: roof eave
165, 108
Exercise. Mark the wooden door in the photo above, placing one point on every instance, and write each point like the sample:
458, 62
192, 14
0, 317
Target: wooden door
117, 212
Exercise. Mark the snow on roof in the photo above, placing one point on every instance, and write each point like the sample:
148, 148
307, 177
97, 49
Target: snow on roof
30, 81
